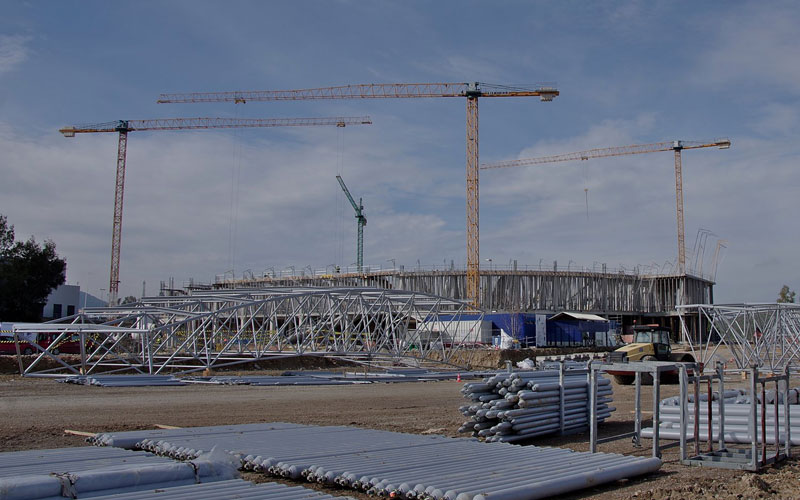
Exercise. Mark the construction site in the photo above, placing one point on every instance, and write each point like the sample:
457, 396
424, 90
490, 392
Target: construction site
473, 383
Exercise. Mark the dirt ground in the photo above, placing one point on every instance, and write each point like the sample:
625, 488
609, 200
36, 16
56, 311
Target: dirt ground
35, 412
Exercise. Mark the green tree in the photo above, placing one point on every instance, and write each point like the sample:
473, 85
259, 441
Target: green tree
130, 299
28, 273
786, 296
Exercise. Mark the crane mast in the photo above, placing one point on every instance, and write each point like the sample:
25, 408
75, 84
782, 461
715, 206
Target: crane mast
470, 91
675, 146
125, 126
361, 221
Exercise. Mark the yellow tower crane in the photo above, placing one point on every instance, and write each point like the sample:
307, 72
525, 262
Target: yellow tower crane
125, 126
676, 146
470, 91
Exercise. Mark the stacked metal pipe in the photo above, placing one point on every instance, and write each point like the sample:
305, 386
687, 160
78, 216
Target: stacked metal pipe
233, 488
399, 465
333, 378
86, 472
738, 415
510, 407
136, 380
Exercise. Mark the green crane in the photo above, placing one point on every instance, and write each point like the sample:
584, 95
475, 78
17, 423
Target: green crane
361, 220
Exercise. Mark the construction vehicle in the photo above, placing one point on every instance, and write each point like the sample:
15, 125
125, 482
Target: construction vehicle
650, 343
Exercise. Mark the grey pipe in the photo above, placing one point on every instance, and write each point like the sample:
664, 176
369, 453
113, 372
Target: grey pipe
557, 486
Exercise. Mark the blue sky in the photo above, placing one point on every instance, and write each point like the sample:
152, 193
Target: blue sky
198, 204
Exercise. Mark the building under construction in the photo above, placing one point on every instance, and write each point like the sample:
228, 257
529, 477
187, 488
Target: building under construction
625, 297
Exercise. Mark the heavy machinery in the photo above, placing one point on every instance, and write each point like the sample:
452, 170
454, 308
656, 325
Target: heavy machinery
650, 343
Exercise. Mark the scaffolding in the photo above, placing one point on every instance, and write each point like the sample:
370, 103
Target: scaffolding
601, 291
743, 335
208, 330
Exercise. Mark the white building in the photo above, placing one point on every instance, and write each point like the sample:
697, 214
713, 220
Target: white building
63, 301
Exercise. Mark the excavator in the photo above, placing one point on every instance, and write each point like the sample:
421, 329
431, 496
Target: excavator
650, 343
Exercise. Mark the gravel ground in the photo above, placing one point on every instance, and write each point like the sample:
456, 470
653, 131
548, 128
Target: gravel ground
35, 412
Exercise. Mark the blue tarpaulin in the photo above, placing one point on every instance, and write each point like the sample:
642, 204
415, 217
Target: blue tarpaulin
574, 329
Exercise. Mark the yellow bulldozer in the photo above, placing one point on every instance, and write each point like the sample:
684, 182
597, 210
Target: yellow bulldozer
650, 343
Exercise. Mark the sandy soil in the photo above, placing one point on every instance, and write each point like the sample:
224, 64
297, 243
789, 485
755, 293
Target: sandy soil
35, 412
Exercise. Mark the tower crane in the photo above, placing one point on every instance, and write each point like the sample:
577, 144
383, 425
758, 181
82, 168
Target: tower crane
125, 126
676, 146
470, 91
361, 220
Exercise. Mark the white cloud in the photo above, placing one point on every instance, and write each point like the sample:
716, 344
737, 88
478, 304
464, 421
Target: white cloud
779, 119
752, 46
13, 51
178, 217
745, 195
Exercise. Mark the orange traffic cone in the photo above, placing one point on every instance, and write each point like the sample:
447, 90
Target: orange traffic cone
458, 378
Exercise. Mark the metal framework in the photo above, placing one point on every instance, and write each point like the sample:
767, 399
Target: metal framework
472, 91
473, 228
763, 335
125, 126
220, 328
361, 221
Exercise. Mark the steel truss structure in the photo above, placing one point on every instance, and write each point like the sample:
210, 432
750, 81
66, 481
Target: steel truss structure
763, 335
222, 328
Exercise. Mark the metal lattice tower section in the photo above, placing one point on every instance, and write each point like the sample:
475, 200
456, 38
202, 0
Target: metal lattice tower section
361, 221
116, 236
764, 335
473, 209
679, 208
214, 329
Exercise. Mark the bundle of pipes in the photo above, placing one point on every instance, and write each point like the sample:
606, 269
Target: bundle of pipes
131, 440
738, 416
82, 472
552, 364
400, 465
233, 488
267, 380
510, 407
333, 378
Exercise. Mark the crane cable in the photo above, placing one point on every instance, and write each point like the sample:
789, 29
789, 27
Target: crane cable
586, 188
340, 201
236, 174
